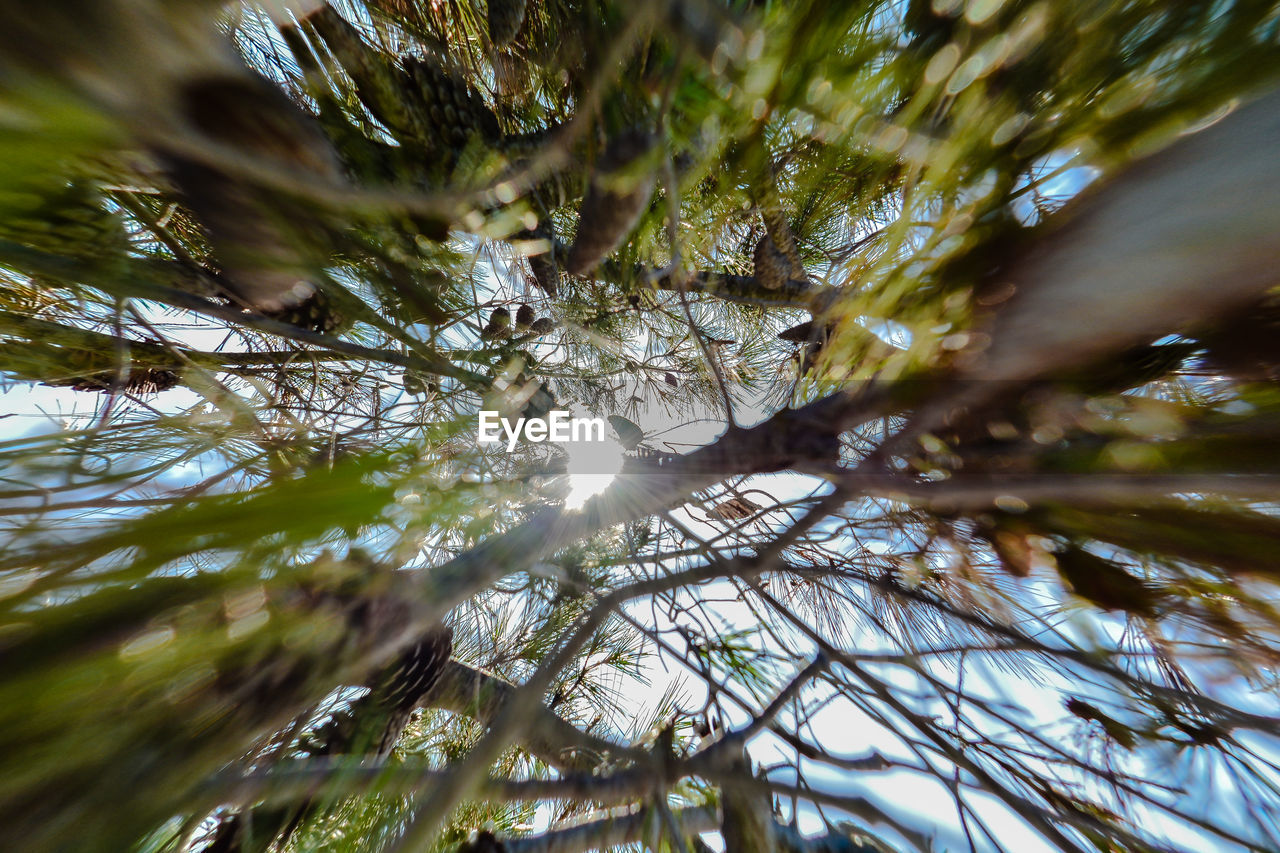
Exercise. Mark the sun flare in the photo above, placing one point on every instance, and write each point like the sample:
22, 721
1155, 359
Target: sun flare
592, 467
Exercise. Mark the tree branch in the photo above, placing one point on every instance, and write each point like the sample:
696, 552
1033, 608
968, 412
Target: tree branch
610, 832
797, 293
631, 828
468, 691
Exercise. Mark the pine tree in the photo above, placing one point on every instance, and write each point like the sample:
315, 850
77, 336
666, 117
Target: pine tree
979, 297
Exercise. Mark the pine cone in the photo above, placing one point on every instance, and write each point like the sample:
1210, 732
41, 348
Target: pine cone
543, 326
456, 111
524, 316
316, 313
777, 226
374, 722
1010, 540
1105, 584
371, 726
546, 273
800, 333
614, 202
779, 231
499, 325
812, 336
399, 688
505, 19
1014, 552
149, 381
857, 346
263, 248
772, 269
384, 87
735, 509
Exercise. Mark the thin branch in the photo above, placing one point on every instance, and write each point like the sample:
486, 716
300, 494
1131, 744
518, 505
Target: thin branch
609, 832
464, 690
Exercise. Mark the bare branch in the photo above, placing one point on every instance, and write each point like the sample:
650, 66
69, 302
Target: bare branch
610, 832
463, 690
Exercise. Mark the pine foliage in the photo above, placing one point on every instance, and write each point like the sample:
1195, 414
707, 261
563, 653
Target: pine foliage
975, 303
